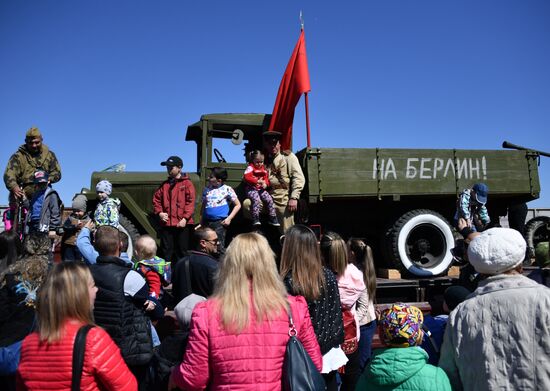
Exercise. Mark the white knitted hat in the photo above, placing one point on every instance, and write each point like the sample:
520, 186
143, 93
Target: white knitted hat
496, 250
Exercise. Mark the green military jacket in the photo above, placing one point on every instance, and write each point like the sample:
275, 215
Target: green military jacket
22, 166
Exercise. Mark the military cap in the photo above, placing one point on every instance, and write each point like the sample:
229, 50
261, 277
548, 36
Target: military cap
33, 133
272, 134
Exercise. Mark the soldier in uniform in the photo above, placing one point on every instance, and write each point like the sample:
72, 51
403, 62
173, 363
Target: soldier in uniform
30, 158
286, 178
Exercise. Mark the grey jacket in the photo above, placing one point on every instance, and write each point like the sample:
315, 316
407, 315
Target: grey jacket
499, 338
50, 214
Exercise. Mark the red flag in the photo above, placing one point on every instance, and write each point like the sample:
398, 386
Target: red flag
294, 83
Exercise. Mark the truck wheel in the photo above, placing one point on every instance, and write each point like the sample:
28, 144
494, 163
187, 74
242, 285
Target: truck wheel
420, 243
535, 232
130, 230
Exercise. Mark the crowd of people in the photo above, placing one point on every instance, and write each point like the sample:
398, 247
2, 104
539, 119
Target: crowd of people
220, 318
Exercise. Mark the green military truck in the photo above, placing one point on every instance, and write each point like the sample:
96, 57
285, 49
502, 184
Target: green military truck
401, 200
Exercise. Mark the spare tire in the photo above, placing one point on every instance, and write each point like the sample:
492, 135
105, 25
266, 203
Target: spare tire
127, 227
420, 243
536, 232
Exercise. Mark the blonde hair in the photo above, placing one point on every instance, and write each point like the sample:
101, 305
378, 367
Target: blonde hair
365, 262
248, 264
335, 252
301, 258
64, 295
146, 247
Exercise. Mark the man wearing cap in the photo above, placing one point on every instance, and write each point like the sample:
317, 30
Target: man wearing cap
471, 207
286, 179
499, 338
30, 158
174, 204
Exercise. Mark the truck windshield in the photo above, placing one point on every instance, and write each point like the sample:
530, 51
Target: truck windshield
230, 152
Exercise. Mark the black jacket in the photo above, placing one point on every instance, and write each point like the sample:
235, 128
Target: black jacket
202, 270
325, 312
121, 316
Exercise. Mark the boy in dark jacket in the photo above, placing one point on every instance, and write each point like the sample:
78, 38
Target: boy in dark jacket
44, 207
72, 227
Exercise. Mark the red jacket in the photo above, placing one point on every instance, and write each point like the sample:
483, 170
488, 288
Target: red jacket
177, 199
252, 174
46, 366
250, 360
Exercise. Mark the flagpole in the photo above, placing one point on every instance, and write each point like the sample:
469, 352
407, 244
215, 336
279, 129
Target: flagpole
306, 94
307, 121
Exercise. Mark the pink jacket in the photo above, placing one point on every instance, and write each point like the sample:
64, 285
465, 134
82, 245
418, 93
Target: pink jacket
250, 360
350, 287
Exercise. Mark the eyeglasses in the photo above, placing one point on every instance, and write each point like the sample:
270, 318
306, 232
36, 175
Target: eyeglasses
213, 241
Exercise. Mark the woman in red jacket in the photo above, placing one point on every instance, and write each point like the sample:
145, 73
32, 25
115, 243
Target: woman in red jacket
238, 337
65, 304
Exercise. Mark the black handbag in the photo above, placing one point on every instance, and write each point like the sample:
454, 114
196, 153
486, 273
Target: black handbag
299, 372
78, 356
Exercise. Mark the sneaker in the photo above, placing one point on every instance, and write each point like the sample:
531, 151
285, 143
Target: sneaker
256, 222
273, 221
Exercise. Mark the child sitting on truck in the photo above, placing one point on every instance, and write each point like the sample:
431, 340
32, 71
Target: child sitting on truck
71, 228
471, 207
256, 178
216, 198
106, 211
44, 208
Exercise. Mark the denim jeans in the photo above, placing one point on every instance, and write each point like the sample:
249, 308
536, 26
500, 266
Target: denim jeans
367, 333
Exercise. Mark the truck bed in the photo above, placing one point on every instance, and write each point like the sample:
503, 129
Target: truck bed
377, 172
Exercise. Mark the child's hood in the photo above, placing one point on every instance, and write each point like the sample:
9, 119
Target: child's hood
184, 177
393, 366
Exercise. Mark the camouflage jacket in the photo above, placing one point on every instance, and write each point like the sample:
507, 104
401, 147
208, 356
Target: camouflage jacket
107, 212
22, 166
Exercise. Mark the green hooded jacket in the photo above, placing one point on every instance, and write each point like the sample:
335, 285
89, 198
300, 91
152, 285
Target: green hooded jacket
402, 369
22, 166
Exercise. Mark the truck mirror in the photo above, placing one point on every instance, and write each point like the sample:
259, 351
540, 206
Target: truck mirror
237, 137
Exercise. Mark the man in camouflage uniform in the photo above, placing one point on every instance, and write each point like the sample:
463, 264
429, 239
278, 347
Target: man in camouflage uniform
285, 177
29, 158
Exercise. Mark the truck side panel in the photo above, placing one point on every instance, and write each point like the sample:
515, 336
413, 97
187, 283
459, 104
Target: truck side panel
364, 173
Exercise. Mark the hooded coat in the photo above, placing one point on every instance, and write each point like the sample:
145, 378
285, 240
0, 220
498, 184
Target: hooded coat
22, 166
499, 338
402, 369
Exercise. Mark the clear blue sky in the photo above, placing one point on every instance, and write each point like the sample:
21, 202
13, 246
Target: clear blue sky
119, 81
